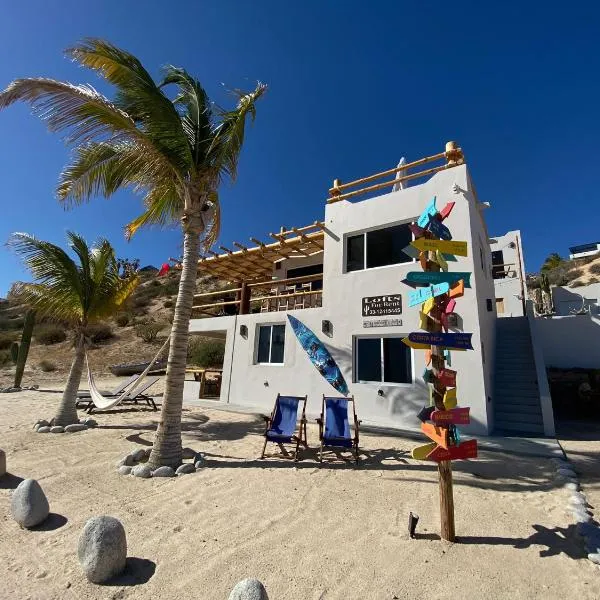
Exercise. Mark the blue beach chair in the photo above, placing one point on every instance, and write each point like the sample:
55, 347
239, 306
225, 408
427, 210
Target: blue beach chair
281, 425
334, 426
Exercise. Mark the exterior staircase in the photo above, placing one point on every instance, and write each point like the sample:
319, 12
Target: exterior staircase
517, 409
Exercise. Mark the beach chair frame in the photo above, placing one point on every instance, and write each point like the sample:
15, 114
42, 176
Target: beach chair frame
355, 439
298, 439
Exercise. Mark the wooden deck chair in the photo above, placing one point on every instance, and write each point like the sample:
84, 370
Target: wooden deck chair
334, 426
280, 427
86, 394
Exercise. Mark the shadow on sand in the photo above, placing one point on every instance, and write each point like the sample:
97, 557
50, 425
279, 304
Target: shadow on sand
137, 572
9, 481
53, 522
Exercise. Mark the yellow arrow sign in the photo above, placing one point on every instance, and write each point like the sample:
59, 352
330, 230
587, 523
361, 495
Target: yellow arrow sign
427, 306
450, 401
423, 320
445, 246
421, 452
416, 346
440, 260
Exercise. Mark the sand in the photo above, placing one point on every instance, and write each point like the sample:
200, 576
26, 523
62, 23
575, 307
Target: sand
309, 532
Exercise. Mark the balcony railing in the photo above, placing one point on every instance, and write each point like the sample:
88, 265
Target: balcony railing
266, 296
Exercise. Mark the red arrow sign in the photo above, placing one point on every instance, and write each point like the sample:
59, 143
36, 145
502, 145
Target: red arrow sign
446, 210
447, 377
455, 416
465, 450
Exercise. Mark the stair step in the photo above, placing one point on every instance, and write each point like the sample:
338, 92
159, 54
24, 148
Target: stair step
516, 387
512, 428
516, 400
507, 417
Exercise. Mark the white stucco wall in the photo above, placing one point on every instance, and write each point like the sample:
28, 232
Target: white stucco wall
257, 385
510, 289
567, 299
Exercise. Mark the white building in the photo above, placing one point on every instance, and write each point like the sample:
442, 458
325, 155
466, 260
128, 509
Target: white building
342, 278
584, 250
508, 271
583, 299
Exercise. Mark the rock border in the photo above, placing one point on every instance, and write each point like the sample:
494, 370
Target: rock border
43, 426
579, 508
134, 464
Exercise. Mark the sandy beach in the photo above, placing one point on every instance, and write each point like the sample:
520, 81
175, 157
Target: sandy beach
309, 532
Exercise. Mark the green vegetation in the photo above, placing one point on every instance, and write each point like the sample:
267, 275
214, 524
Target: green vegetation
49, 334
147, 330
99, 332
206, 353
47, 366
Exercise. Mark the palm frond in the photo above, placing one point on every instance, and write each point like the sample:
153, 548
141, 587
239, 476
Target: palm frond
138, 95
228, 135
164, 207
212, 222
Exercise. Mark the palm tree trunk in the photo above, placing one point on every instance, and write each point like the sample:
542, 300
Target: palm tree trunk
67, 412
167, 443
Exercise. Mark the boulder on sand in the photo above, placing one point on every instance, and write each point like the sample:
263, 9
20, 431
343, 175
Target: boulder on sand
249, 589
29, 505
102, 548
185, 468
163, 472
143, 471
75, 427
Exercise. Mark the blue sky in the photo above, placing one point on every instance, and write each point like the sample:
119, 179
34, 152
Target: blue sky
353, 86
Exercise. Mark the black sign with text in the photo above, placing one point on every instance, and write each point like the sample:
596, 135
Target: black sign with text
378, 306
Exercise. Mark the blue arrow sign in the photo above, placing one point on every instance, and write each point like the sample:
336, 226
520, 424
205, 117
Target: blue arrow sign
460, 341
411, 251
428, 212
450, 257
419, 296
431, 277
428, 376
439, 229
448, 357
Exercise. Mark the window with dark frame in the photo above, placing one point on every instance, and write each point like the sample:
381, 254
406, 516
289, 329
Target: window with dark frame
498, 271
378, 248
382, 360
271, 344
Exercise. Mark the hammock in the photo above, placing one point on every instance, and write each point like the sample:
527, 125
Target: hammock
103, 403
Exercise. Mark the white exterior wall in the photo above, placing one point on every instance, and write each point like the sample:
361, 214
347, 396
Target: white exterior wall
567, 299
586, 253
510, 289
257, 385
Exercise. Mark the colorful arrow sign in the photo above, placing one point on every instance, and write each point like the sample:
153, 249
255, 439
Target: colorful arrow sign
450, 306
435, 433
421, 452
455, 416
447, 377
423, 320
421, 295
441, 260
416, 346
450, 400
438, 229
428, 305
458, 289
445, 246
432, 277
430, 210
457, 341
465, 450
445, 212
428, 376
448, 357
416, 230
411, 251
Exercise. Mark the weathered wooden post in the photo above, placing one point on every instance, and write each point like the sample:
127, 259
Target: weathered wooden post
435, 290
244, 299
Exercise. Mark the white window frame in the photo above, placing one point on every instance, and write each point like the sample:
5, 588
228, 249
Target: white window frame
257, 342
364, 234
381, 337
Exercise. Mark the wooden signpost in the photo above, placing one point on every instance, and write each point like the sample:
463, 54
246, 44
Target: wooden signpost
440, 418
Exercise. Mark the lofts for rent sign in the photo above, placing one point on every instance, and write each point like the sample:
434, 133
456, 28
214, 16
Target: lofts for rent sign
380, 306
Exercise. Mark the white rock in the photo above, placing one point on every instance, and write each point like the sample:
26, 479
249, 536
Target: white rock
57, 429
185, 468
102, 548
41, 423
143, 471
124, 470
163, 472
2, 463
578, 498
571, 485
249, 589
89, 422
581, 516
595, 558
29, 505
45, 429
125, 461
75, 427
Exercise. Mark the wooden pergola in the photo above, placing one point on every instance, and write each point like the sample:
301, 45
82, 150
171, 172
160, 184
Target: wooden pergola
257, 262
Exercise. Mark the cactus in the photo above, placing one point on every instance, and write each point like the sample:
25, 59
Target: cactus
14, 351
24, 346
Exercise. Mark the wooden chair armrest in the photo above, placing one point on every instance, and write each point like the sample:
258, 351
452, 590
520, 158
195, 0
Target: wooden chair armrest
319, 420
267, 419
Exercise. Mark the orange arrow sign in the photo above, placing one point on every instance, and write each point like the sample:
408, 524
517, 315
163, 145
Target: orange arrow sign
437, 434
458, 289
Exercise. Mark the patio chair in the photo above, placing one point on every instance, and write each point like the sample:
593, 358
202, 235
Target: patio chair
85, 394
334, 427
137, 396
280, 427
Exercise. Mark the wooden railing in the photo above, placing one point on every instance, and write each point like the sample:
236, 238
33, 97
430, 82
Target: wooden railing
452, 156
283, 294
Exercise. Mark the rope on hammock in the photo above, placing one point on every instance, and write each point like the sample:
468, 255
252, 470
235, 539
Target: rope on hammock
103, 403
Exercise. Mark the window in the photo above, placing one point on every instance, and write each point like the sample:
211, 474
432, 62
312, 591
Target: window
490, 306
378, 248
271, 341
498, 265
500, 306
382, 360
317, 284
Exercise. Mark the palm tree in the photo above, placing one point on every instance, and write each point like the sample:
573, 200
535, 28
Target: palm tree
552, 261
72, 293
175, 152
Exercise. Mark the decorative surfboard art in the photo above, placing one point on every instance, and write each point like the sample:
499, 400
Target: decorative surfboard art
445, 246
437, 300
319, 355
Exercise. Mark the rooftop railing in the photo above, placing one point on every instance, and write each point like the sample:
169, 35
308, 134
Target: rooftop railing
452, 157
